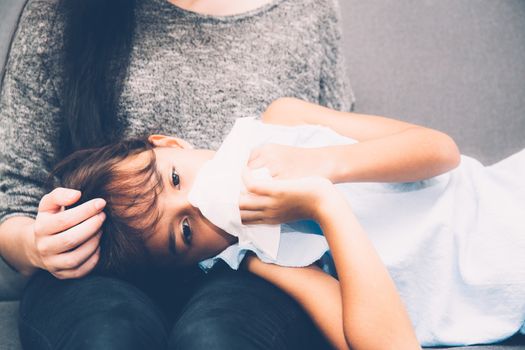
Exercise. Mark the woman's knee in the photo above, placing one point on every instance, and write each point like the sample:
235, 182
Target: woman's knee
91, 313
118, 327
236, 310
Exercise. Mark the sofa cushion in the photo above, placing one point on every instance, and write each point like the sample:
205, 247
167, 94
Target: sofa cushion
11, 282
8, 326
9, 14
454, 65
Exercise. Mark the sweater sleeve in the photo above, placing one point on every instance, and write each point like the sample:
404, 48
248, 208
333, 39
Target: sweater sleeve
335, 89
29, 115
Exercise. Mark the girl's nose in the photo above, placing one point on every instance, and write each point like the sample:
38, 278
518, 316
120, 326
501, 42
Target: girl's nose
182, 204
195, 212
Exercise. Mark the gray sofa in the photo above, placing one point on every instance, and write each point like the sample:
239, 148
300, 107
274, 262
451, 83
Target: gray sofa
455, 65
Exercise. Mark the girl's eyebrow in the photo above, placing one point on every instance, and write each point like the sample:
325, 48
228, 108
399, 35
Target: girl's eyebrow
171, 240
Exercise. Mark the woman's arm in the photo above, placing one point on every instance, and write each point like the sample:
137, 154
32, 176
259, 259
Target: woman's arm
15, 244
388, 150
29, 133
63, 242
370, 304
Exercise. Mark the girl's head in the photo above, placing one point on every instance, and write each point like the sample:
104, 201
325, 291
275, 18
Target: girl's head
149, 220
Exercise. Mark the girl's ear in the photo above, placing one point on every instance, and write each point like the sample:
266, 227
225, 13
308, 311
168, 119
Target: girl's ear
169, 141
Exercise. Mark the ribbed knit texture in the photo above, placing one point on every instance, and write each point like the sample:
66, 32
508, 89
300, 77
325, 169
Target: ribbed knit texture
190, 75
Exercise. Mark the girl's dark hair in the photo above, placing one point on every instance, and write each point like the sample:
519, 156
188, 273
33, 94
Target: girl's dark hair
131, 194
97, 46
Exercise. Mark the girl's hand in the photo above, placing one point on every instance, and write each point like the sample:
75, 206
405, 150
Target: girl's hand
288, 162
66, 242
279, 201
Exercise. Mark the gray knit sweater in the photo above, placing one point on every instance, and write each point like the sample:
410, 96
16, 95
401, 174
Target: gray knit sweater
190, 75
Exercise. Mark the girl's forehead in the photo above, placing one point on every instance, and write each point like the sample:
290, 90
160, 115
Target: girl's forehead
135, 161
173, 155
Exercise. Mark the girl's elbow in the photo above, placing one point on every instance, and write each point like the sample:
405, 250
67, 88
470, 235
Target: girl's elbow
442, 150
449, 152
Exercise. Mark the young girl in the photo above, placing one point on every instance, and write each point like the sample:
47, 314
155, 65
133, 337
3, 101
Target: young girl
446, 245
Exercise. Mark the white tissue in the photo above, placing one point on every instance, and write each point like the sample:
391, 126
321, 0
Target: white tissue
219, 183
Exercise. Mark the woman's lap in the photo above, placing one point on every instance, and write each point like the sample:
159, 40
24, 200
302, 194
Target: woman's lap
229, 310
91, 313
237, 310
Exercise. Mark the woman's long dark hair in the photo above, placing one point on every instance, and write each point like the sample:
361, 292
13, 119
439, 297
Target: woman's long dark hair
97, 46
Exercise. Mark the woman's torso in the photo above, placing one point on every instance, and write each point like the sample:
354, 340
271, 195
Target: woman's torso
193, 74
189, 75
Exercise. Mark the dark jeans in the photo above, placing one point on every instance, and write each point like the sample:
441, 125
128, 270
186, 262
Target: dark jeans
223, 310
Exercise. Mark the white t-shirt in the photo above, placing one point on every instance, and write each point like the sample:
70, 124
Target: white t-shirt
453, 244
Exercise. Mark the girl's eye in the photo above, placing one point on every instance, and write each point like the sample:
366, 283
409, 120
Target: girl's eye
175, 178
186, 231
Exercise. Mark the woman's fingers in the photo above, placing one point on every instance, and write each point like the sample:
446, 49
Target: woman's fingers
77, 257
73, 237
49, 224
66, 241
58, 198
83, 270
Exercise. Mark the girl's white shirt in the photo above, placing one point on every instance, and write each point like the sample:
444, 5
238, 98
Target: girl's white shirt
453, 244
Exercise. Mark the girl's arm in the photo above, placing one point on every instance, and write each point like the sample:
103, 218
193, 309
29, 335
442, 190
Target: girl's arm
367, 305
374, 316
388, 150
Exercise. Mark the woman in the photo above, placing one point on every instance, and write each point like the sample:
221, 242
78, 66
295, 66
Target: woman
80, 70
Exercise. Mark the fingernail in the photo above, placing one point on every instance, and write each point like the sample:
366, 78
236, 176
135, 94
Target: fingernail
73, 194
102, 215
99, 204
